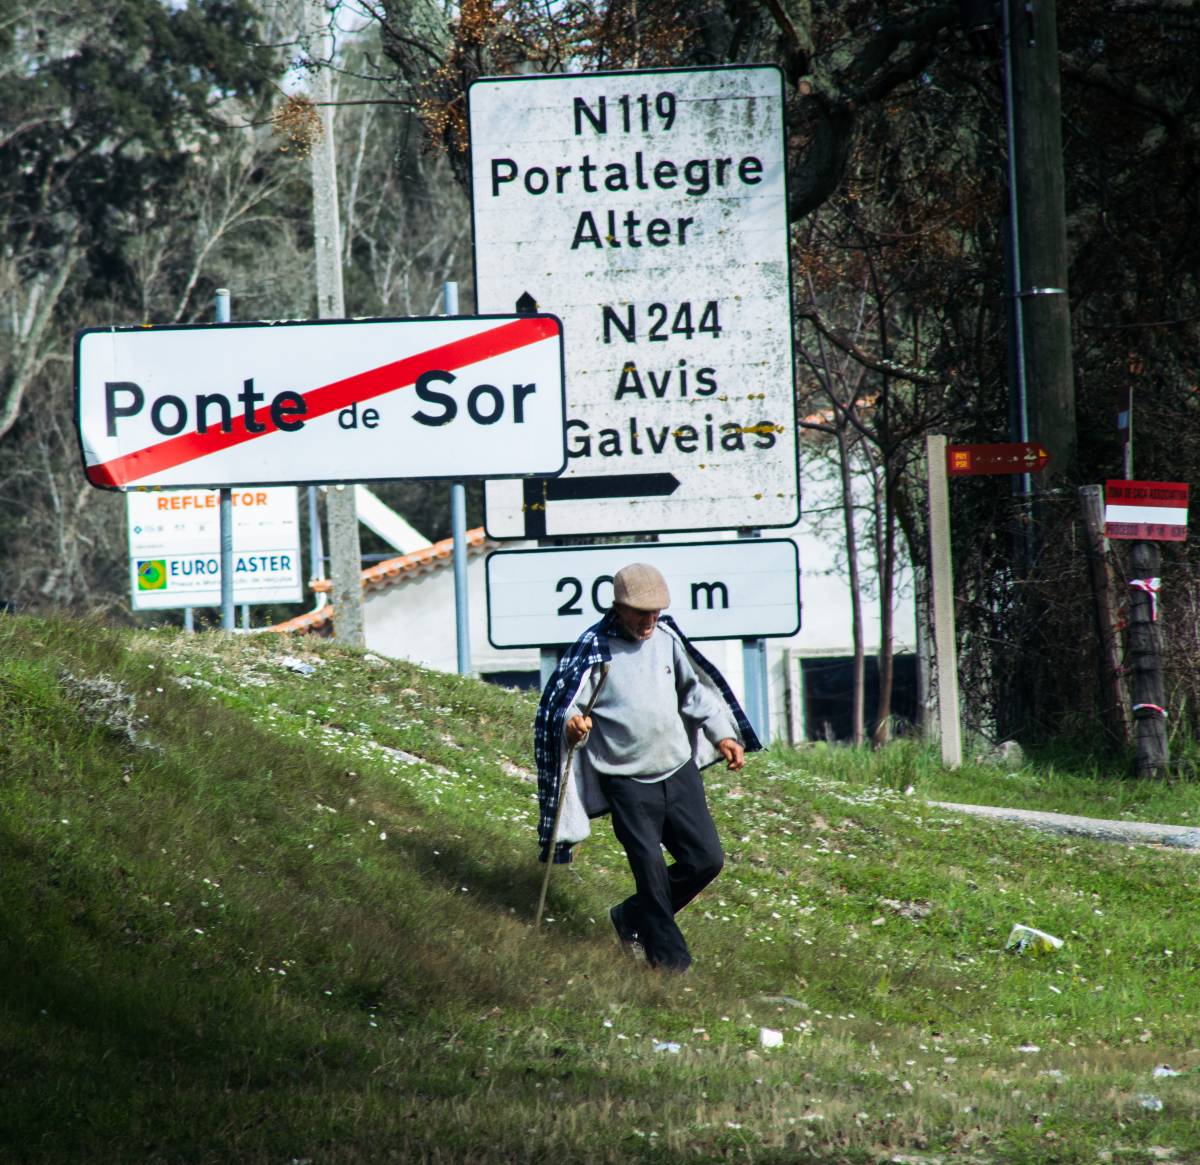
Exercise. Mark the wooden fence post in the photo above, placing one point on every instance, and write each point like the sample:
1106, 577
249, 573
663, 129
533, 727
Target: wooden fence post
1091, 503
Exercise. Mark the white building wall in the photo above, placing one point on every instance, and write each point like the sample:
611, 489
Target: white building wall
415, 620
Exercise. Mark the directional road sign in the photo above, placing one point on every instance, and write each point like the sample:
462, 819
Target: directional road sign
339, 400
747, 589
1146, 511
1010, 457
175, 547
647, 210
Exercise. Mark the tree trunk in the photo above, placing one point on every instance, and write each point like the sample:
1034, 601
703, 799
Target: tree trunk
887, 589
1145, 662
858, 715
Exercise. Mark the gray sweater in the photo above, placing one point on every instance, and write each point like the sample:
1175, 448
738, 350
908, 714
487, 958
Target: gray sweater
640, 721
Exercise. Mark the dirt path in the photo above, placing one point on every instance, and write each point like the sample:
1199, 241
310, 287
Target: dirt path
1129, 832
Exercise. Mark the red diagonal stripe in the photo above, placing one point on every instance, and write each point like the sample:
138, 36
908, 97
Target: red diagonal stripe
327, 399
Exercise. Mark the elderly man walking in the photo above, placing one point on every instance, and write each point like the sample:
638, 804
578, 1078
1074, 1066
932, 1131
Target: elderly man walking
662, 713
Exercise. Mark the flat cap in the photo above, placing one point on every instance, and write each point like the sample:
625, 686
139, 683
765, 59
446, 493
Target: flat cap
640, 586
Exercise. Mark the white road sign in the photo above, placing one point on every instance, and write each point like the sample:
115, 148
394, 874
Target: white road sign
747, 589
344, 400
175, 547
647, 210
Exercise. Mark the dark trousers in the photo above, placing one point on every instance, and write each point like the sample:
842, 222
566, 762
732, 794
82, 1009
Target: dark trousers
646, 818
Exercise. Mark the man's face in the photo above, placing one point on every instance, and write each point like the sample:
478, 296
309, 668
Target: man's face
636, 624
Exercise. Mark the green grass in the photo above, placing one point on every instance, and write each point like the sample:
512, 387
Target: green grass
265, 901
1057, 781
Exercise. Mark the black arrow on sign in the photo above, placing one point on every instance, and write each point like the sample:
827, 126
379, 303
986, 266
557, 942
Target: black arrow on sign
621, 485
537, 491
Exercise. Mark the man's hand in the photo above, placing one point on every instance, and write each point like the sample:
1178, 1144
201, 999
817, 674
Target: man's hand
734, 753
577, 728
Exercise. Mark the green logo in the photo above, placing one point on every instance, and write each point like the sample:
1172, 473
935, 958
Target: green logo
152, 574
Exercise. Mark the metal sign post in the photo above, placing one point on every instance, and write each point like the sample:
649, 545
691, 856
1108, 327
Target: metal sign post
755, 672
226, 536
458, 530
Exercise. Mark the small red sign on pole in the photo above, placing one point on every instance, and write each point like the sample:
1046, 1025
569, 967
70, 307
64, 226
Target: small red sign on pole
1146, 511
1011, 457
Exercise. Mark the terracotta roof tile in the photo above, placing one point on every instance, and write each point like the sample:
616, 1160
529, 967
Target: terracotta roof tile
386, 574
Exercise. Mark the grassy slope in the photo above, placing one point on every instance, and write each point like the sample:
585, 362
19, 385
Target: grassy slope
265, 903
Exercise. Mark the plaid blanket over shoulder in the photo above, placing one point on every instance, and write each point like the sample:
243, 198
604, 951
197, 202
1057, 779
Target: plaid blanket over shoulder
588, 651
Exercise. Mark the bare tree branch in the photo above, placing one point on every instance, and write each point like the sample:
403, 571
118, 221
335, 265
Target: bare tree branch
842, 340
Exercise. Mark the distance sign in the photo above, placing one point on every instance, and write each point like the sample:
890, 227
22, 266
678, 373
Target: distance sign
746, 589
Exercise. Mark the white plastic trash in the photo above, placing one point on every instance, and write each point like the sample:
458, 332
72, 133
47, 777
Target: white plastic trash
769, 1037
1028, 938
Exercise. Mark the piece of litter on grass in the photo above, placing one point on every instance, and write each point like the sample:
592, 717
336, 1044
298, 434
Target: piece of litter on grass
1162, 1070
1028, 938
1029, 1048
770, 1037
1150, 1102
667, 1046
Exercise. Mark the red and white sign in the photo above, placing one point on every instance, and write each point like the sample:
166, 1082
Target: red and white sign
1146, 511
340, 400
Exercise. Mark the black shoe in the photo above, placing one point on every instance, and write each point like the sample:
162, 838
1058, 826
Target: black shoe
628, 938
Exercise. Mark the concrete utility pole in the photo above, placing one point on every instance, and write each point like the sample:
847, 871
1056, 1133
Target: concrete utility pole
345, 552
942, 584
1035, 147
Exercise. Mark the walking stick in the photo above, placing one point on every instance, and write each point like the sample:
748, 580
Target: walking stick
562, 796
